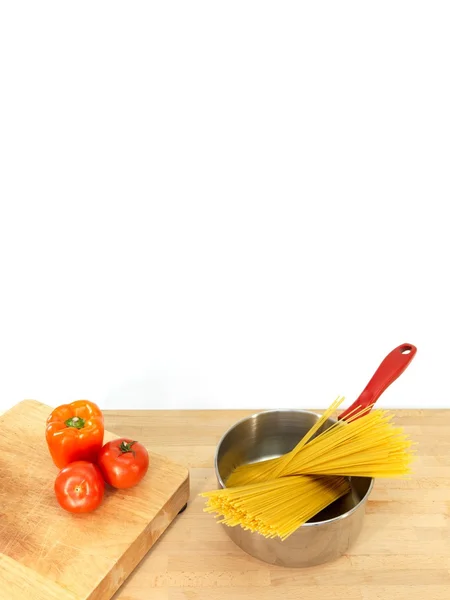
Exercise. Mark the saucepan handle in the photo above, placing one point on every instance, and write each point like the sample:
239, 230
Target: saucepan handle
389, 370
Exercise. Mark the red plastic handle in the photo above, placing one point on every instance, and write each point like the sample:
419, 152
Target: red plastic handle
389, 370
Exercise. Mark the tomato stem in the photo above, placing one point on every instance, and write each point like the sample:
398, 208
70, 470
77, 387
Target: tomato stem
76, 422
126, 447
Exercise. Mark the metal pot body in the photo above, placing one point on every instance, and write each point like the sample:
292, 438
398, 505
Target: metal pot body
327, 536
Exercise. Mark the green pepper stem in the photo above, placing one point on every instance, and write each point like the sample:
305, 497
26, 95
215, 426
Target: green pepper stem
76, 422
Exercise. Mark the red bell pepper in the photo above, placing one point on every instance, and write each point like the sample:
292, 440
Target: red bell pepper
75, 432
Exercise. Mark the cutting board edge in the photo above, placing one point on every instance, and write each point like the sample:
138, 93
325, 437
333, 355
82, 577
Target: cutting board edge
25, 401
111, 583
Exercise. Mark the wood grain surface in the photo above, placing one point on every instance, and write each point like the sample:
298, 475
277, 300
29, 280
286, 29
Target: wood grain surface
47, 553
403, 552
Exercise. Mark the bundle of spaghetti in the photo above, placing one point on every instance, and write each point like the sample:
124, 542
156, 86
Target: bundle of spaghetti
269, 469
367, 444
278, 507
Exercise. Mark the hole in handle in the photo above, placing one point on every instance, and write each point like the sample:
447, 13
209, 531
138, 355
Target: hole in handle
406, 350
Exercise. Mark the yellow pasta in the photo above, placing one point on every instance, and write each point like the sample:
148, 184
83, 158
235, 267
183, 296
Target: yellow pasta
274, 497
368, 446
277, 507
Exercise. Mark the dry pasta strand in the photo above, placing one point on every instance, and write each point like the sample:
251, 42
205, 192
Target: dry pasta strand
278, 507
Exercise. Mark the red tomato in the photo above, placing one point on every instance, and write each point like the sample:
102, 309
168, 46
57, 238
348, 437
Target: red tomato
79, 487
123, 462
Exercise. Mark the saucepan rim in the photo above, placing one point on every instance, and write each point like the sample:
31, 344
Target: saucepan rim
345, 515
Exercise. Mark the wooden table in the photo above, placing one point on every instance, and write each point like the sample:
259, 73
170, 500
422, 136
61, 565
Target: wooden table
403, 552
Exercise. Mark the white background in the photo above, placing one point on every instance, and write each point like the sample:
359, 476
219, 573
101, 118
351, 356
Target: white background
234, 204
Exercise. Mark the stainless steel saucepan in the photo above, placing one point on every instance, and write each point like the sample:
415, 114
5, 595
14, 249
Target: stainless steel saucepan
272, 433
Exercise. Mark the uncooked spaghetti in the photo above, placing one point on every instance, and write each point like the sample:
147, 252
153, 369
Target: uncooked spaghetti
274, 497
367, 444
278, 507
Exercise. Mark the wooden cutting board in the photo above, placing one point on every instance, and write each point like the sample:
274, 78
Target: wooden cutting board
47, 553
